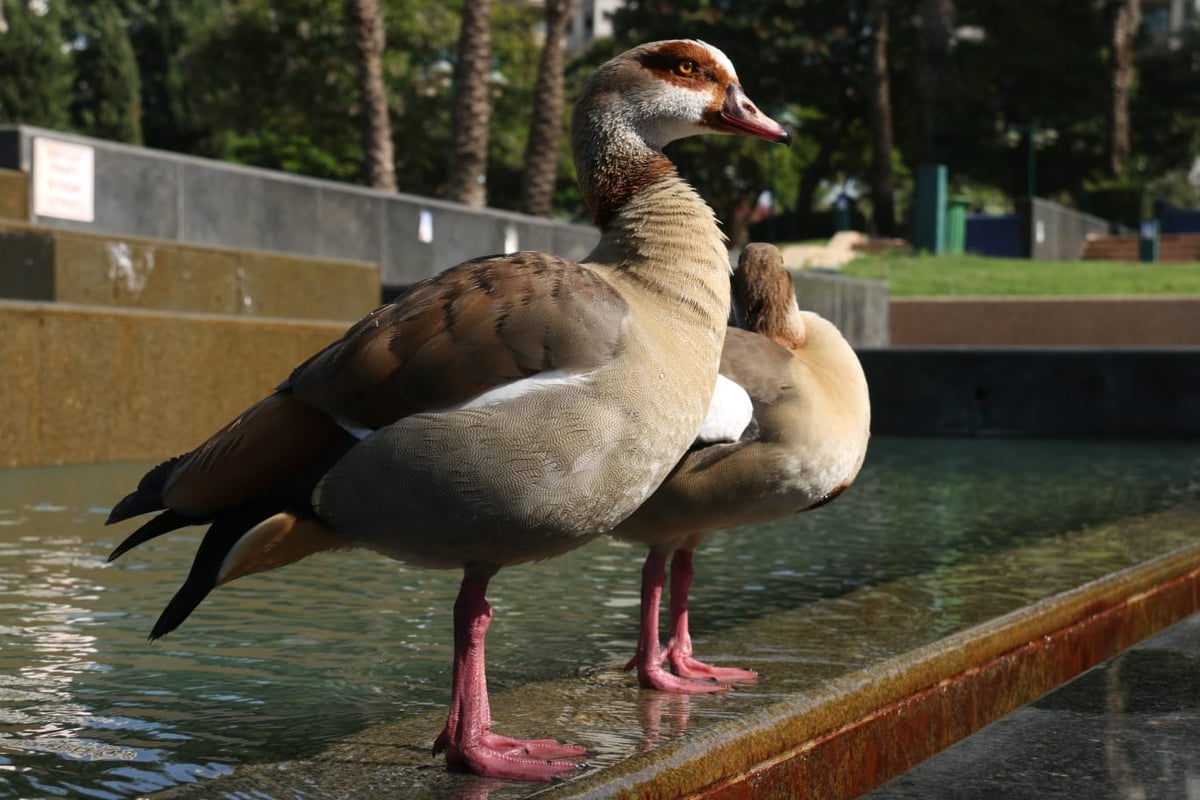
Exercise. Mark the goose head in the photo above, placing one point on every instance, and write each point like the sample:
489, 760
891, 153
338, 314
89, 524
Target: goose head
663, 91
647, 97
765, 296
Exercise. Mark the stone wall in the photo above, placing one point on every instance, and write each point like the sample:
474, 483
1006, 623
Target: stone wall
1052, 232
859, 308
160, 195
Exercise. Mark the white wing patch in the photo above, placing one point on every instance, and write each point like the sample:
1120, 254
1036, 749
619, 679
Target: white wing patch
729, 412
534, 383
500, 394
357, 431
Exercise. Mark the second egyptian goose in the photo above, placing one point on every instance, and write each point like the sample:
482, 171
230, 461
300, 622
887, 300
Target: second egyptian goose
502, 412
787, 432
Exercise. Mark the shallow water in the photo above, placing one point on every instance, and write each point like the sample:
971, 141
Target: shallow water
275, 666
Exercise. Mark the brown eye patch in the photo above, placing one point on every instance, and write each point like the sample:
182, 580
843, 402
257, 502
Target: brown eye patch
684, 60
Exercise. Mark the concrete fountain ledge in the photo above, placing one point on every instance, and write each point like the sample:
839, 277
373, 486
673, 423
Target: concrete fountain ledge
856, 689
863, 729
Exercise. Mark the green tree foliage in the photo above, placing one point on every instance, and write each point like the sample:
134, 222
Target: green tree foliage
275, 83
1036, 64
37, 74
1166, 108
1008, 66
160, 30
107, 98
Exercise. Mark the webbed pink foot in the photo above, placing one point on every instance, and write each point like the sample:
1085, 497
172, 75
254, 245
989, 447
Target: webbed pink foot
687, 667
497, 756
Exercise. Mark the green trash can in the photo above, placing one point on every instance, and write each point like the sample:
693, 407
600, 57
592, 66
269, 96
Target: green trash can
841, 213
1148, 241
956, 224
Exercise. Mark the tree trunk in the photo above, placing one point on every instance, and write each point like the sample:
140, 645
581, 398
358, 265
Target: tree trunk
366, 24
1126, 17
937, 26
466, 174
879, 98
542, 151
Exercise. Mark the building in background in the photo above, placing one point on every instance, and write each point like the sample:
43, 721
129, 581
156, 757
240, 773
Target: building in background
1166, 20
593, 20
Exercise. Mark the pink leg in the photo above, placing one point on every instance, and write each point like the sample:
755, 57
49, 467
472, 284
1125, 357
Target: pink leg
648, 658
467, 739
679, 648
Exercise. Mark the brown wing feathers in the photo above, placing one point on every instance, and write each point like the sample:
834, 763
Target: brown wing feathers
451, 337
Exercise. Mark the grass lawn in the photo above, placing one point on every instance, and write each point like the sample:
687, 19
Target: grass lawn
942, 276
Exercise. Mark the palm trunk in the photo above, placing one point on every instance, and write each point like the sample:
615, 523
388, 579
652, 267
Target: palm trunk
1126, 17
881, 123
366, 22
543, 150
466, 174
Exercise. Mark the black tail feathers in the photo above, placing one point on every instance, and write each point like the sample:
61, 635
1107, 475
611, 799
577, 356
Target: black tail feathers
224, 533
163, 523
148, 495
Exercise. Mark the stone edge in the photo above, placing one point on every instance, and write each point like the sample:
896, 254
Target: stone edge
870, 726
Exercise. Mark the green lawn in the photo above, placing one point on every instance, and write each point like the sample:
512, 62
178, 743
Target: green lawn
941, 276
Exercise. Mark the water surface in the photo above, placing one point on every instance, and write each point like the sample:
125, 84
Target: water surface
277, 666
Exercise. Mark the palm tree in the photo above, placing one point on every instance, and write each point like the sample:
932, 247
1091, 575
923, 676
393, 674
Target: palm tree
366, 24
542, 152
466, 174
880, 112
1126, 18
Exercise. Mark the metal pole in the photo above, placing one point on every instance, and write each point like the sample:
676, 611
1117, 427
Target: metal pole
1032, 176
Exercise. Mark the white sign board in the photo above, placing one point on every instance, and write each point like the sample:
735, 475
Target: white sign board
425, 227
63, 180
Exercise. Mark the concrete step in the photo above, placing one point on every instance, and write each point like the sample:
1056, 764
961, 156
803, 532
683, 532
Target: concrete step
88, 384
93, 384
55, 264
14, 195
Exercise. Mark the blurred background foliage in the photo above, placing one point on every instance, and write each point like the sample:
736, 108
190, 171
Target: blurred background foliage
274, 84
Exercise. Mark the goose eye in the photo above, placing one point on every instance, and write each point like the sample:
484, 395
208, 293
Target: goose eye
685, 68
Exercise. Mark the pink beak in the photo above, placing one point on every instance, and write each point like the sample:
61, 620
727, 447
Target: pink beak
745, 119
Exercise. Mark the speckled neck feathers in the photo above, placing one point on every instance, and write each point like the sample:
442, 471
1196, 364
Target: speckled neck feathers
656, 228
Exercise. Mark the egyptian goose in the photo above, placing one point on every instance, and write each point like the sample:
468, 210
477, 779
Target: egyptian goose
504, 411
787, 432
